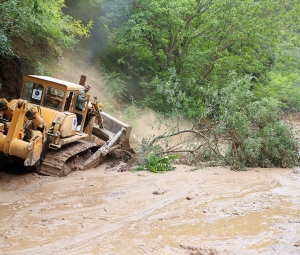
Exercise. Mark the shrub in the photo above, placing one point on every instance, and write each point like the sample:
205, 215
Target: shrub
258, 137
157, 164
242, 132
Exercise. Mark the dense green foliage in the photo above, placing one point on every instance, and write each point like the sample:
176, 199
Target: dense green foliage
177, 49
37, 22
257, 135
157, 164
246, 131
172, 50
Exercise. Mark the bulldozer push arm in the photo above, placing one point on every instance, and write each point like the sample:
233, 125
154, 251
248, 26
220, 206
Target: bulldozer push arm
115, 132
14, 141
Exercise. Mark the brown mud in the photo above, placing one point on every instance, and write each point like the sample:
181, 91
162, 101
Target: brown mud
186, 211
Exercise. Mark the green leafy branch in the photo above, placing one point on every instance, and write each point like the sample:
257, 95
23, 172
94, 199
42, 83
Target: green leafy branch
157, 164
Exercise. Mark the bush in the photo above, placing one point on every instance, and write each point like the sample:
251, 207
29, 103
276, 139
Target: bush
156, 163
258, 137
240, 130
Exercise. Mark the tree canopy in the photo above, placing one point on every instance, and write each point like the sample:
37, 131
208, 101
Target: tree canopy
170, 50
179, 48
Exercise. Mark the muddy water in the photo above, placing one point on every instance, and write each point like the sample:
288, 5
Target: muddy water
188, 211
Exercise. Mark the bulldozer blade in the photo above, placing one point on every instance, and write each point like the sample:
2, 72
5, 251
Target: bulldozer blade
111, 127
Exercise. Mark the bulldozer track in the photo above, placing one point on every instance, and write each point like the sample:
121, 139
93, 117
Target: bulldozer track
67, 159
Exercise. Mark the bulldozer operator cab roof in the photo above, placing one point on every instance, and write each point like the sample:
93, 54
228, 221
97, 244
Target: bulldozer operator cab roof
49, 92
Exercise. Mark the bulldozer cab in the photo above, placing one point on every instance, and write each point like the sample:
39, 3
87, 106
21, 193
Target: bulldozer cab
40, 94
51, 93
55, 94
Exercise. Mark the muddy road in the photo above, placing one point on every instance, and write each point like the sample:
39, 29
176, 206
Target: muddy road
187, 211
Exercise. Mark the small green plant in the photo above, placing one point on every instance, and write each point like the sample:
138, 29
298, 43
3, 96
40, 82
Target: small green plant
157, 164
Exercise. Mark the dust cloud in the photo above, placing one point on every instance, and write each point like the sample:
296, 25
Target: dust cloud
145, 122
73, 68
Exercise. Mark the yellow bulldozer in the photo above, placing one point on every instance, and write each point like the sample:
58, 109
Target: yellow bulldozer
39, 128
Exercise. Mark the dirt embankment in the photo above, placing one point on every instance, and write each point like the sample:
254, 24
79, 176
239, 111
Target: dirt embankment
187, 211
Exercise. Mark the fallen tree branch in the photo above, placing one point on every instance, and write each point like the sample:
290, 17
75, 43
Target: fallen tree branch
155, 139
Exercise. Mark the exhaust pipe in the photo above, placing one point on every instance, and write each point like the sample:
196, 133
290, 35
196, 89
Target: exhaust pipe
82, 80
